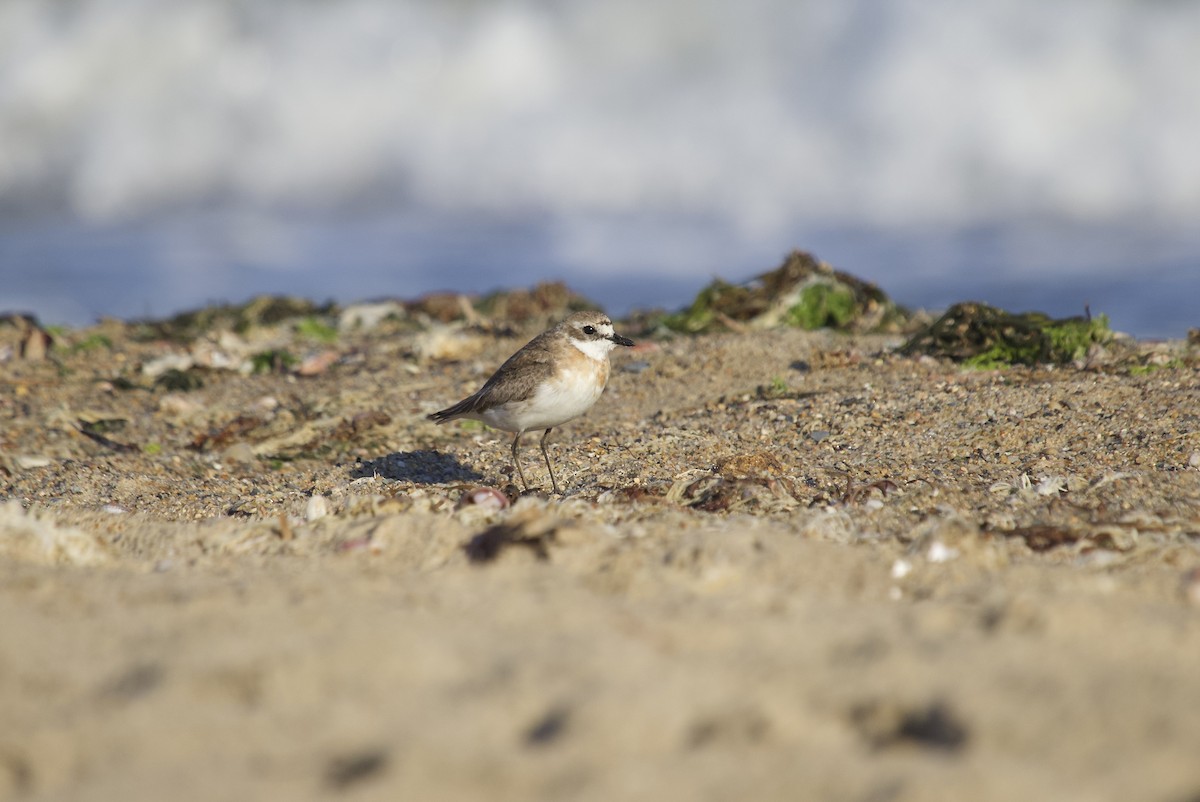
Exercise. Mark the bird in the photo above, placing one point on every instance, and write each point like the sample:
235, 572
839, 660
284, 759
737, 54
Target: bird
555, 377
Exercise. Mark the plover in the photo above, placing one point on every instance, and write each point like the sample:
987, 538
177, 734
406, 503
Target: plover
554, 378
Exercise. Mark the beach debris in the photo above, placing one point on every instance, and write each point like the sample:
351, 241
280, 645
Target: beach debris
28, 537
1044, 537
945, 537
316, 507
803, 292
634, 493
538, 305
1112, 476
34, 342
167, 362
445, 307
548, 728
318, 363
717, 493
1051, 486
176, 405
774, 390
545, 301
532, 530
176, 380
752, 464
96, 429
488, 498
983, 336
353, 769
449, 343
368, 316
136, 681
274, 360
1142, 358
239, 454
939, 552
888, 724
220, 436
263, 310
857, 493
312, 327
220, 350
28, 462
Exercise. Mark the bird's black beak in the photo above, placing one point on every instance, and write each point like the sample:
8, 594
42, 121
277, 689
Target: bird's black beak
619, 340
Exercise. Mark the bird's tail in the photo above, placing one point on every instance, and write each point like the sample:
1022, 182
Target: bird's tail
451, 413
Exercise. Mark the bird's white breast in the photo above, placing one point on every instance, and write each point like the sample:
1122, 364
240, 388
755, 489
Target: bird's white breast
568, 394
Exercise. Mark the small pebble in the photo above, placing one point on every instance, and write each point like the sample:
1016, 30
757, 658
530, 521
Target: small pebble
486, 497
25, 463
318, 363
1194, 460
1051, 486
178, 405
365, 317
156, 367
241, 453
317, 507
939, 552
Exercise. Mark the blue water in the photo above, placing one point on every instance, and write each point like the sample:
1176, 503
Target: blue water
156, 157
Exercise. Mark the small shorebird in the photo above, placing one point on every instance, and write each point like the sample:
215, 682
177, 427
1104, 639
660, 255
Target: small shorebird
556, 377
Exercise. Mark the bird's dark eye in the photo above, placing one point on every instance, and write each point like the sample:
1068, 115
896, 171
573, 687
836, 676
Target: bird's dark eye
589, 329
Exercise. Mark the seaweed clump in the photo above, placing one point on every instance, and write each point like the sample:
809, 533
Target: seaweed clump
264, 310
545, 301
983, 336
803, 292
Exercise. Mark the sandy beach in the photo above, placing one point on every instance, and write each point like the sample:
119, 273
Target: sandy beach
236, 562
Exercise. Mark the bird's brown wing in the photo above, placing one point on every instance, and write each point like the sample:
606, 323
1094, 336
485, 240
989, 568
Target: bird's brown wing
515, 380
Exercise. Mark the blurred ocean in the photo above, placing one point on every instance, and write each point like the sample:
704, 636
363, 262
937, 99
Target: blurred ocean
158, 156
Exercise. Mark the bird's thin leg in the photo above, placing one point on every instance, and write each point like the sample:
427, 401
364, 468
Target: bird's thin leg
517, 462
549, 467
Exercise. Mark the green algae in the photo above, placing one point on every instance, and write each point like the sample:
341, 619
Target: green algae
987, 337
803, 292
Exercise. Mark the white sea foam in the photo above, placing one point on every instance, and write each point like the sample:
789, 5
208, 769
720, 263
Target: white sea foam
889, 111
194, 150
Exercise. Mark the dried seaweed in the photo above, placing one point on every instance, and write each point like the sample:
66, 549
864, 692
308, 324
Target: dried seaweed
983, 336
